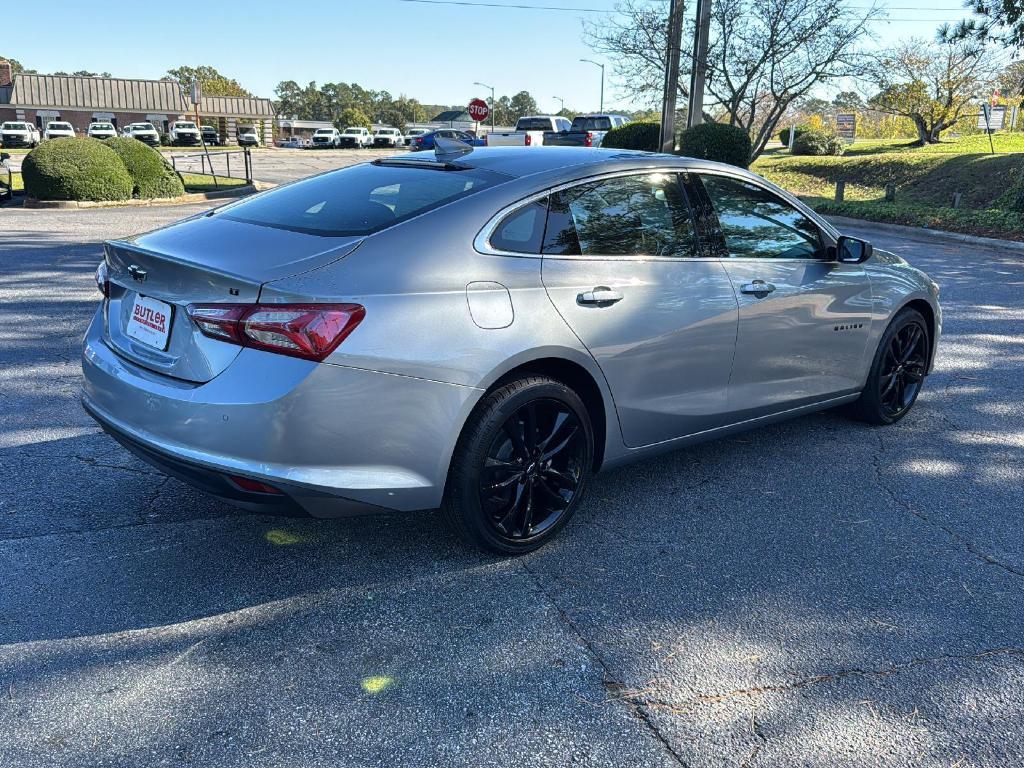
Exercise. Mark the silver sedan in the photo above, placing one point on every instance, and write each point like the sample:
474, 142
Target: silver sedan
483, 330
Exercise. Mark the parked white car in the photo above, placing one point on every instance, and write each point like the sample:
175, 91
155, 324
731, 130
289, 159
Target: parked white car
247, 136
326, 138
101, 131
144, 132
57, 129
185, 132
529, 131
412, 133
388, 137
355, 137
17, 133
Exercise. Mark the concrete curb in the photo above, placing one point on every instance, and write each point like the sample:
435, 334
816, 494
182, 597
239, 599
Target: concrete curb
923, 233
192, 197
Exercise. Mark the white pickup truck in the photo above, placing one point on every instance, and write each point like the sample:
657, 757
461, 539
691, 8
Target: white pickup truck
57, 129
355, 137
529, 131
185, 132
19, 134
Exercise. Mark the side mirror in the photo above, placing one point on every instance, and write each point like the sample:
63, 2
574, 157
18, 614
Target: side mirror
852, 250
4, 157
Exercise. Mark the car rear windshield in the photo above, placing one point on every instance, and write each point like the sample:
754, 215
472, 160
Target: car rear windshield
60, 126
186, 125
592, 124
14, 127
327, 131
533, 124
143, 127
361, 199
102, 126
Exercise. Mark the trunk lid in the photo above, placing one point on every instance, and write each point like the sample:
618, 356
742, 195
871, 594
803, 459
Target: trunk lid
202, 260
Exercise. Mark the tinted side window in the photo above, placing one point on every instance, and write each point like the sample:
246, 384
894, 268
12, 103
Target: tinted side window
623, 216
758, 225
523, 230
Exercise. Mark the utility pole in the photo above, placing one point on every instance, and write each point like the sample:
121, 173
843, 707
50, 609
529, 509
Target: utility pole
667, 139
699, 65
560, 101
596, 64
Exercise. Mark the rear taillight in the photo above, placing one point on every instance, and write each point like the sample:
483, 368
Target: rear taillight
103, 278
589, 140
253, 486
529, 140
309, 331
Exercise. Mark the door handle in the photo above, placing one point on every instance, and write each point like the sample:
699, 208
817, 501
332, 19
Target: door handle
757, 286
602, 295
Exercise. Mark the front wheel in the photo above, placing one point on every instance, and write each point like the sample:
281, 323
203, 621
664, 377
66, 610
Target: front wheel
897, 372
521, 466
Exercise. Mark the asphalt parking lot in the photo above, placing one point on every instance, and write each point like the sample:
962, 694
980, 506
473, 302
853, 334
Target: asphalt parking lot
817, 593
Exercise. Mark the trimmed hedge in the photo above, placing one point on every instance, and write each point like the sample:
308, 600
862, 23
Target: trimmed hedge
75, 169
784, 134
817, 143
152, 176
716, 141
642, 136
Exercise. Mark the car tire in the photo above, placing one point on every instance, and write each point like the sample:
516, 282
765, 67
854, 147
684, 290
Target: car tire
897, 372
521, 466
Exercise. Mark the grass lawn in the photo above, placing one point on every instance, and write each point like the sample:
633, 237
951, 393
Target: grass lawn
203, 182
16, 183
925, 177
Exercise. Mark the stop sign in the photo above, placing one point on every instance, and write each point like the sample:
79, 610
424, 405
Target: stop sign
478, 110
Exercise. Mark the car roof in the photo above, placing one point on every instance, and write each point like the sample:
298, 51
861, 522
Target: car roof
526, 161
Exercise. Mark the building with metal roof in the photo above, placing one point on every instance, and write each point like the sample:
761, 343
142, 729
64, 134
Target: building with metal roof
82, 100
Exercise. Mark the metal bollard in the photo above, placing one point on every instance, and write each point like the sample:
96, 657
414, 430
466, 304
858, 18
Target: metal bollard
957, 198
840, 191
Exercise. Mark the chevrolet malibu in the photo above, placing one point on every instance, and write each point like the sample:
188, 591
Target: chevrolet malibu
481, 331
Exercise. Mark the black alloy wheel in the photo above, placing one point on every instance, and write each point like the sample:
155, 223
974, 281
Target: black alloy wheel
897, 372
521, 466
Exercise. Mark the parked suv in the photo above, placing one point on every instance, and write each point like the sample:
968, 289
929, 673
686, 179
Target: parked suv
57, 129
326, 138
210, 136
355, 137
19, 134
184, 132
101, 131
388, 137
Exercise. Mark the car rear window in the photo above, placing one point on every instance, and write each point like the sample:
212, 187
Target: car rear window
361, 199
592, 124
14, 127
534, 124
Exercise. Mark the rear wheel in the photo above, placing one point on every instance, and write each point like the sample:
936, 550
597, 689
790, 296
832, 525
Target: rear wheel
897, 372
521, 466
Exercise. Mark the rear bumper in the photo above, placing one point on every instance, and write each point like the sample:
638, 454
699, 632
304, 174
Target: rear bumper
334, 440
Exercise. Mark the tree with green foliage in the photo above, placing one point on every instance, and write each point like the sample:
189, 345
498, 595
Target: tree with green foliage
521, 105
212, 81
16, 66
352, 117
82, 73
1001, 21
933, 84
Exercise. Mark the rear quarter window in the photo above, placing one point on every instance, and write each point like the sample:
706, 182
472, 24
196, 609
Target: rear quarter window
361, 199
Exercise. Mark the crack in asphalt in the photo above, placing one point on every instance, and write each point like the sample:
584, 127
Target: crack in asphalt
636, 708
94, 462
760, 690
955, 535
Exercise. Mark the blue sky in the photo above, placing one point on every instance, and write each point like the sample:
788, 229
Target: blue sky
431, 52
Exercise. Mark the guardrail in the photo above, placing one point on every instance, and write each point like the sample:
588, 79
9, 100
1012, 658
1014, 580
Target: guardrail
218, 163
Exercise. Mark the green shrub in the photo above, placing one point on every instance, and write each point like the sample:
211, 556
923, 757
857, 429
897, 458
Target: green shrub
77, 169
716, 141
633, 136
152, 176
817, 143
784, 133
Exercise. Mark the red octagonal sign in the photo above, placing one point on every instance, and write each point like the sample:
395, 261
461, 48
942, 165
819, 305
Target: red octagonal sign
478, 110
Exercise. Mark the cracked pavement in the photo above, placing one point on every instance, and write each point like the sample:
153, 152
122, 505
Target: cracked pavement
816, 593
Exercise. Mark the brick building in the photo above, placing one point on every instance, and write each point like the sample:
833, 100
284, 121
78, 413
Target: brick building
82, 100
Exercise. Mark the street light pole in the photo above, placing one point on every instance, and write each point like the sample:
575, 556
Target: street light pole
491, 87
561, 102
596, 64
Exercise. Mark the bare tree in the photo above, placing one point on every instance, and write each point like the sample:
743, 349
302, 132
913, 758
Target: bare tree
763, 55
934, 84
